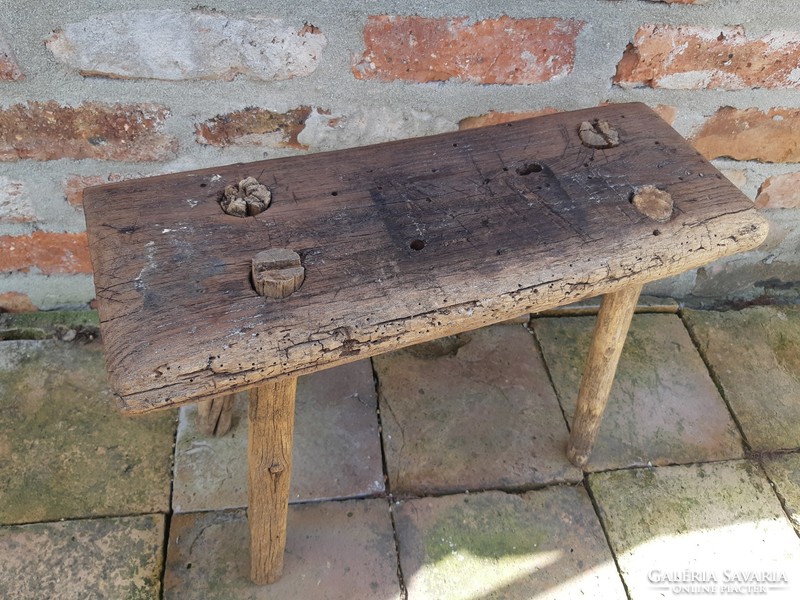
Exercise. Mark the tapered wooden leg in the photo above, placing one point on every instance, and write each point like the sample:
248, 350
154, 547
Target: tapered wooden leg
269, 442
613, 322
214, 416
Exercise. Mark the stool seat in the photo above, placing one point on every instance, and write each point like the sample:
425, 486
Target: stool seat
401, 242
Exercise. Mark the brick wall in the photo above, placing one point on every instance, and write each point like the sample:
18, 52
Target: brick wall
106, 90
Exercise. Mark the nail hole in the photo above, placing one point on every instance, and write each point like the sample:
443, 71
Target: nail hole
417, 244
334, 193
455, 145
656, 232
485, 181
203, 184
529, 168
505, 168
189, 566
434, 170
657, 143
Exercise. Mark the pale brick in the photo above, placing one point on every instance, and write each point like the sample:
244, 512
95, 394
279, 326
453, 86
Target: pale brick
9, 69
197, 44
502, 50
780, 191
15, 204
254, 127
736, 176
750, 134
16, 302
694, 57
75, 184
49, 131
46, 252
497, 118
361, 127
666, 112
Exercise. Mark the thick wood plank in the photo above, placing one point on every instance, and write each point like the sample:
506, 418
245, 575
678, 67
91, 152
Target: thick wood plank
610, 332
269, 450
400, 242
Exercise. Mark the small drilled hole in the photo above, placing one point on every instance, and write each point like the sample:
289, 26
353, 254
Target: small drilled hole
529, 168
417, 244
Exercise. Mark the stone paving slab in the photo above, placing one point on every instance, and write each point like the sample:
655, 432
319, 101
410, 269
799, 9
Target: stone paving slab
334, 550
114, 558
486, 417
542, 544
663, 408
784, 472
336, 449
719, 523
755, 356
65, 451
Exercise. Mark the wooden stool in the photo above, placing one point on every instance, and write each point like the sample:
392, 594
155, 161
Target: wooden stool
376, 248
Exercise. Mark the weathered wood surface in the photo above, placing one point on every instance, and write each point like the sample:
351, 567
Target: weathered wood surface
401, 243
269, 451
215, 415
610, 332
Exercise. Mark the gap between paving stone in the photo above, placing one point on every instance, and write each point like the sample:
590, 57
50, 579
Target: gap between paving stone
336, 449
495, 545
663, 408
93, 558
706, 519
484, 418
754, 356
341, 550
65, 450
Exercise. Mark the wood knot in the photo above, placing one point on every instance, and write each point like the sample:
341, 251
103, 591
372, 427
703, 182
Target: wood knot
653, 202
277, 272
276, 469
246, 199
598, 134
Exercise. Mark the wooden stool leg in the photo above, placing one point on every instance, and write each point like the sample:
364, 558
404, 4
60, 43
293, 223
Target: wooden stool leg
269, 442
214, 416
613, 322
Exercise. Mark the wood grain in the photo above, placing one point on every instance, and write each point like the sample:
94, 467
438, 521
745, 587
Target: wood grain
610, 332
214, 416
269, 447
401, 243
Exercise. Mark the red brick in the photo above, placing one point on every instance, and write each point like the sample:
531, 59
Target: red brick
502, 50
9, 69
75, 184
750, 134
16, 302
49, 131
780, 191
254, 127
690, 57
496, 118
49, 253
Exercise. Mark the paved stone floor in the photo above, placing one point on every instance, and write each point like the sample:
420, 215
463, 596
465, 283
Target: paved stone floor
436, 472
